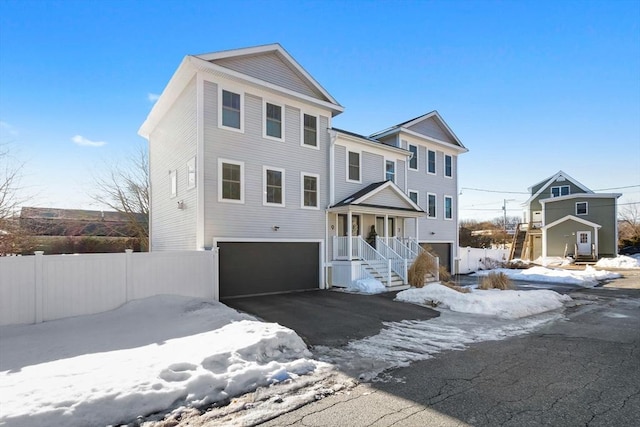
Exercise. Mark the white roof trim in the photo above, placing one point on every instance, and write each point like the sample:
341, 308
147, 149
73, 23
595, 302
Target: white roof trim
362, 140
582, 196
573, 218
274, 47
550, 181
395, 188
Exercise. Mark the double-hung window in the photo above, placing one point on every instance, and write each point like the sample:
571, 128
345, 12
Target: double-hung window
448, 207
309, 131
353, 166
448, 166
562, 190
413, 162
431, 205
431, 162
230, 181
413, 195
310, 190
274, 121
231, 110
273, 186
390, 170
582, 208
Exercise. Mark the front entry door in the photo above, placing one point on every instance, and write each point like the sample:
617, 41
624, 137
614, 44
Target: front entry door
355, 225
584, 242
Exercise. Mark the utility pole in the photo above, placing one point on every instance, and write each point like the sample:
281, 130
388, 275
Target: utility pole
504, 209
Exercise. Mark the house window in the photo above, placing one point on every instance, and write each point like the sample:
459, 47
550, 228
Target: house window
560, 191
448, 166
413, 162
390, 170
309, 190
309, 130
191, 173
431, 162
582, 208
173, 175
273, 186
273, 121
431, 205
353, 166
448, 207
413, 195
230, 181
231, 112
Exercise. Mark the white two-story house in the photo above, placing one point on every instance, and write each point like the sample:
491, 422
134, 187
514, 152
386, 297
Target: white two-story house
244, 161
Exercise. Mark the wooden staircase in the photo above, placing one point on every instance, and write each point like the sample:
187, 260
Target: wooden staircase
519, 239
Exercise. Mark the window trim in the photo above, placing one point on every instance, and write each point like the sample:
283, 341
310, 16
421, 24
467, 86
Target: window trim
444, 207
560, 187
221, 161
264, 186
435, 206
220, 108
173, 183
444, 166
586, 208
264, 120
191, 173
416, 156
302, 143
417, 193
359, 153
317, 177
395, 170
435, 162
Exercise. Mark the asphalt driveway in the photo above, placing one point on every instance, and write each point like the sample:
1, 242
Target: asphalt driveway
331, 318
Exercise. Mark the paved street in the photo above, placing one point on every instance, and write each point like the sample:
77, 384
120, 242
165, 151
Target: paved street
583, 371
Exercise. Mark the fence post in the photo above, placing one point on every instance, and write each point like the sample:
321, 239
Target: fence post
39, 284
406, 275
128, 275
388, 272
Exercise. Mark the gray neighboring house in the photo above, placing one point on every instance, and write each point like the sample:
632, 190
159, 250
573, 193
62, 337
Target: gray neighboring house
565, 218
244, 161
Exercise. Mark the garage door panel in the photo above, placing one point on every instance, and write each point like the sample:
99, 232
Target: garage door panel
249, 268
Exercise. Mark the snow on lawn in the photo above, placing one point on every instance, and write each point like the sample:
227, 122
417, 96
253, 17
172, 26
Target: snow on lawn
621, 261
507, 304
148, 356
589, 277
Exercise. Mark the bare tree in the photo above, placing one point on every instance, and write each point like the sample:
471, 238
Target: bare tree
125, 189
12, 239
629, 225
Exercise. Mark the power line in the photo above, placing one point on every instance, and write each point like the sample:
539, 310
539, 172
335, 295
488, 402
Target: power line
526, 192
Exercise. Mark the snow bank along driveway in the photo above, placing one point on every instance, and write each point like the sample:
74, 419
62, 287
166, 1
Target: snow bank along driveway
147, 356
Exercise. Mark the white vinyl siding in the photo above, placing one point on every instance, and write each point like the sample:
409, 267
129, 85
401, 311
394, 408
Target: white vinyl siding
431, 205
353, 166
274, 186
230, 181
231, 112
191, 173
582, 208
448, 207
310, 190
414, 161
309, 131
431, 162
448, 166
273, 121
174, 183
389, 170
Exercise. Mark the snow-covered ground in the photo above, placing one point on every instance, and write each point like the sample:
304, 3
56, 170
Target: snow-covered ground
621, 261
147, 356
589, 277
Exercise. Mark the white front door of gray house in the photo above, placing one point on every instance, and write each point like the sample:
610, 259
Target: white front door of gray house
584, 242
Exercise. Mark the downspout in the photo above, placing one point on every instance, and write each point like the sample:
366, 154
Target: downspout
332, 139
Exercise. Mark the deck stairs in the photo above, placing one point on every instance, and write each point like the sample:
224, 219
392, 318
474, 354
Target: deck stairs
519, 239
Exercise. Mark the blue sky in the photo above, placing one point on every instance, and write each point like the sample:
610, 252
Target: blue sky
530, 87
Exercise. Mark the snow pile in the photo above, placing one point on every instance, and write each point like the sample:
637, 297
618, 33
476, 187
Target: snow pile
147, 356
589, 277
553, 261
367, 286
503, 304
621, 261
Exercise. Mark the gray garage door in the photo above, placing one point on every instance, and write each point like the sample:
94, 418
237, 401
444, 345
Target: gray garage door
251, 268
443, 250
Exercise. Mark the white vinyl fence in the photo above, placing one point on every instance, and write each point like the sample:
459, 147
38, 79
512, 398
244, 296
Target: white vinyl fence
38, 288
475, 259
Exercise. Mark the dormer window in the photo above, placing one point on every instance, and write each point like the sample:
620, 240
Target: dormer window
560, 191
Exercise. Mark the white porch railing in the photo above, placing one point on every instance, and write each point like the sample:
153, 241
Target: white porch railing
398, 263
363, 251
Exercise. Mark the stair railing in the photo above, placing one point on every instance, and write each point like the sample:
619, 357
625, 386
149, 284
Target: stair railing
415, 247
397, 263
374, 259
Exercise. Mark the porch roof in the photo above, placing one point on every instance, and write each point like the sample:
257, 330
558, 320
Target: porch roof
391, 200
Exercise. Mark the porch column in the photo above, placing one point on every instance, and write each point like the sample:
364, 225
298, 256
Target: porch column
417, 234
349, 235
386, 226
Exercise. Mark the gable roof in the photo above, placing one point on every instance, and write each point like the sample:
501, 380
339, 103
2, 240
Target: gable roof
366, 139
361, 197
572, 218
419, 126
550, 181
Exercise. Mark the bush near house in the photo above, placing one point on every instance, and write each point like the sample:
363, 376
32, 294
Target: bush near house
496, 281
423, 265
